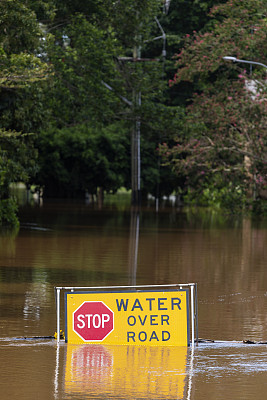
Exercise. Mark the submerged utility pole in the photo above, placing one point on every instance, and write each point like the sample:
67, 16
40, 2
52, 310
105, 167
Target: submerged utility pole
136, 158
135, 105
135, 142
136, 132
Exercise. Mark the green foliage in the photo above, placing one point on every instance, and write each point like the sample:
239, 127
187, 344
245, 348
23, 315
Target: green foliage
56, 59
259, 207
17, 160
239, 30
81, 43
77, 160
19, 29
225, 136
20, 70
81, 62
183, 18
156, 179
8, 212
141, 14
227, 197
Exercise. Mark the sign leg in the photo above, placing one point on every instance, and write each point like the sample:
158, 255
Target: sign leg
58, 315
192, 315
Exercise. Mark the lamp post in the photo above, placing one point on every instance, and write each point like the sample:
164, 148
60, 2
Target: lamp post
234, 59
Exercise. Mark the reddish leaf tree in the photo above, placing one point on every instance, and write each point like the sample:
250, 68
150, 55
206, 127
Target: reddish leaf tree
225, 140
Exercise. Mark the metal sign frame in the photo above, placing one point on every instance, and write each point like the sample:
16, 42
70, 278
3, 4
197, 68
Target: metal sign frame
136, 288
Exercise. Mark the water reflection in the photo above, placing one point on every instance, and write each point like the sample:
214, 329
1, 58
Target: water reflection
41, 370
66, 243
125, 372
133, 246
35, 298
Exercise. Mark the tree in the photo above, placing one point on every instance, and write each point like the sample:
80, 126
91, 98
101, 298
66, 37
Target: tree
223, 147
81, 43
20, 70
58, 60
78, 160
82, 56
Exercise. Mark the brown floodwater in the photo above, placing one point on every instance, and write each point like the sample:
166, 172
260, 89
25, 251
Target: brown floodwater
76, 244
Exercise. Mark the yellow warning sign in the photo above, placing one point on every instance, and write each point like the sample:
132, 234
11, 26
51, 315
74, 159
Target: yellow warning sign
129, 318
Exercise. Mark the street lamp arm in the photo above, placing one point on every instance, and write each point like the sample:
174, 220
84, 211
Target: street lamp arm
234, 59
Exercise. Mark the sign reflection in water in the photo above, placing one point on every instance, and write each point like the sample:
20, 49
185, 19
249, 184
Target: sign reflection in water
127, 372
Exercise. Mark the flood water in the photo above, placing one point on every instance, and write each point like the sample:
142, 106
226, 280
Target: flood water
74, 244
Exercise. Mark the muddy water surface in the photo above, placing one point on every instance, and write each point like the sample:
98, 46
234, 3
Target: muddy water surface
61, 244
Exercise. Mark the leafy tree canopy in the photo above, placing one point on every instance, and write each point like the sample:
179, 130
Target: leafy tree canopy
224, 143
20, 69
80, 159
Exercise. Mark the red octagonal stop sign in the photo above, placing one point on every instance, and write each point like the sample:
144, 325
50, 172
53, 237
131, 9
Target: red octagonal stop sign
93, 321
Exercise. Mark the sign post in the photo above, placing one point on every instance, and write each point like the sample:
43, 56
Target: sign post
132, 315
